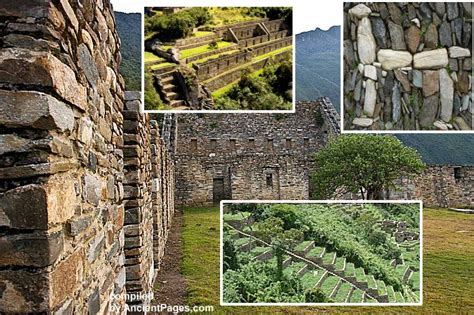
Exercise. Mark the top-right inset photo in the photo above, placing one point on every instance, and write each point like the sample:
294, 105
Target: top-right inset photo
407, 67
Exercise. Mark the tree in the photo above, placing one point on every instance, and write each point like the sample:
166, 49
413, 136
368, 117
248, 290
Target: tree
364, 164
272, 231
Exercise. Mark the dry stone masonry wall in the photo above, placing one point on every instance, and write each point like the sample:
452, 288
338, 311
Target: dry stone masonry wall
257, 156
408, 66
83, 209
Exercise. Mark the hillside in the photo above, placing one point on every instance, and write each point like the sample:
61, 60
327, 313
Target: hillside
317, 72
317, 65
128, 27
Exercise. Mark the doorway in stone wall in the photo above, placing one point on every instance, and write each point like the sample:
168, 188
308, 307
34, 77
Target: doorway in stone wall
218, 190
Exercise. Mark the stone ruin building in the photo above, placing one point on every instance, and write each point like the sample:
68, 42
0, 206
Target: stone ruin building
188, 83
87, 183
250, 156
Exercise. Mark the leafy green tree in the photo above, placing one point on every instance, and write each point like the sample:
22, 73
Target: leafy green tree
315, 295
365, 164
272, 231
230, 254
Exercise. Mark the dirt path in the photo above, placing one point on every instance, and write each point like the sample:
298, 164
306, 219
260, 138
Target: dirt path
170, 285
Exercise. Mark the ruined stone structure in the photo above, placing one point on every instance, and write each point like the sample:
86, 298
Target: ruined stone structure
86, 184
249, 156
407, 66
187, 83
440, 186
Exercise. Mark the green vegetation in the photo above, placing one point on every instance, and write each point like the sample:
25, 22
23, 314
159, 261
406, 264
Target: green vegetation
161, 65
270, 90
185, 53
363, 164
151, 57
152, 99
177, 25
349, 235
446, 290
201, 33
128, 28
273, 53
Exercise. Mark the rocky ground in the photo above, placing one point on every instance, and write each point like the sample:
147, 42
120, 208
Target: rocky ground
407, 66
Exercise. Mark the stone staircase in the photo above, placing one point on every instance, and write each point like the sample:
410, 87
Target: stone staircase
169, 88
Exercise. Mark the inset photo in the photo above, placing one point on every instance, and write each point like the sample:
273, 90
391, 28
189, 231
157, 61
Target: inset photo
321, 252
407, 67
223, 59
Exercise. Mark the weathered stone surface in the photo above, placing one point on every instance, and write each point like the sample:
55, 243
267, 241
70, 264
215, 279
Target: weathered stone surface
431, 37
26, 41
87, 64
425, 11
417, 78
23, 249
433, 59
92, 189
38, 110
458, 52
379, 31
412, 38
396, 110
429, 110
370, 98
395, 12
391, 59
456, 27
365, 42
446, 88
358, 90
360, 11
370, 72
25, 9
349, 55
22, 66
441, 125
70, 14
440, 8
402, 77
452, 10
87, 39
363, 122
430, 82
462, 123
62, 287
53, 204
462, 84
23, 291
466, 35
445, 35
396, 36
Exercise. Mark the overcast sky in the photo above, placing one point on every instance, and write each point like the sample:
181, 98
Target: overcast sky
308, 14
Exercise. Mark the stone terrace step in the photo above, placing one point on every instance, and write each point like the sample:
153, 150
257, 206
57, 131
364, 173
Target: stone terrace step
303, 248
343, 292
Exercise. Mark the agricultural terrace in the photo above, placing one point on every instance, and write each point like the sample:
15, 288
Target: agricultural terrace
319, 253
218, 58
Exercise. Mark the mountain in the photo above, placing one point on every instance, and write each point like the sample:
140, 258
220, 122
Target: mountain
129, 30
318, 64
317, 74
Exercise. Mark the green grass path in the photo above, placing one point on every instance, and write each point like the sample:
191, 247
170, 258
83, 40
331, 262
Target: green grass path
448, 267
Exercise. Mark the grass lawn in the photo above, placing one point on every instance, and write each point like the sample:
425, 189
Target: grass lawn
150, 57
161, 65
185, 53
448, 267
201, 34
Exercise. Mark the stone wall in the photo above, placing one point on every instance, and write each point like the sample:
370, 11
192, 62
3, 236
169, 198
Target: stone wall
440, 186
61, 163
226, 78
254, 156
75, 165
407, 66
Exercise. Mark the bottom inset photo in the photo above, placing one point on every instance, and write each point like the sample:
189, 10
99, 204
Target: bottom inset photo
321, 252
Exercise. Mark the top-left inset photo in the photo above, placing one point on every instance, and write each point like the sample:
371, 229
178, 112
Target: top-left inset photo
218, 59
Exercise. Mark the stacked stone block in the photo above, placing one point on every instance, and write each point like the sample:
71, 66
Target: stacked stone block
72, 170
255, 156
407, 66
61, 211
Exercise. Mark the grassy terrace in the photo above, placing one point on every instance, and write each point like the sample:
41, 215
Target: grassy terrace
201, 34
151, 57
185, 53
229, 15
328, 285
161, 65
236, 216
357, 295
350, 270
310, 278
448, 276
273, 52
342, 292
212, 57
301, 246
